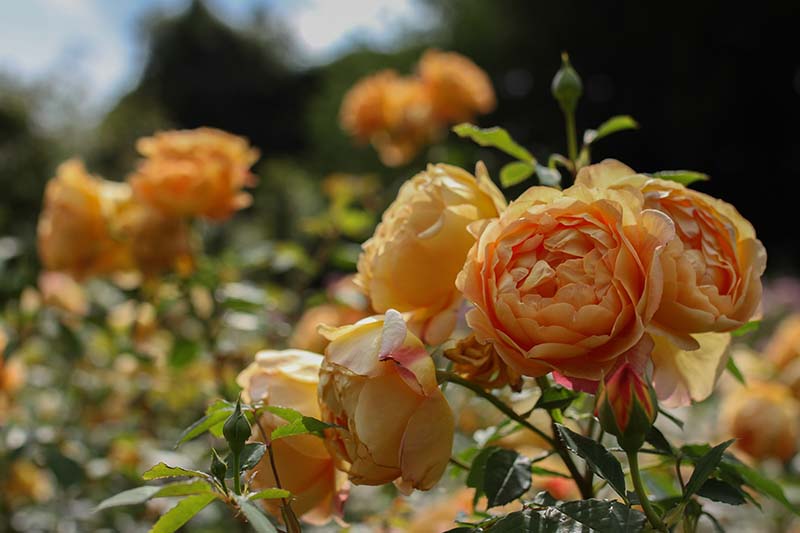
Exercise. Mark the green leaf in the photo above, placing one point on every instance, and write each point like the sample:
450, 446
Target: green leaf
596, 456
495, 137
162, 470
556, 397
203, 425
183, 352
269, 494
128, 497
659, 441
672, 418
731, 367
507, 477
515, 172
547, 176
182, 513
582, 516
704, 467
258, 520
298, 423
684, 177
755, 480
751, 326
477, 472
612, 125
251, 455
720, 491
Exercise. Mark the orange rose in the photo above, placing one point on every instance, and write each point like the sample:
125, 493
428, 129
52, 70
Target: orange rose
306, 335
63, 292
711, 277
198, 172
392, 113
459, 88
411, 262
379, 384
289, 378
480, 364
765, 418
566, 281
73, 233
712, 269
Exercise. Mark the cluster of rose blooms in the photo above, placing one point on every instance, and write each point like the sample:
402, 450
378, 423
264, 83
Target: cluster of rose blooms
399, 115
621, 279
91, 226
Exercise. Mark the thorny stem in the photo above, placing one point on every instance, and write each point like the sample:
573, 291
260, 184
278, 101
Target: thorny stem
286, 507
556, 417
647, 507
444, 376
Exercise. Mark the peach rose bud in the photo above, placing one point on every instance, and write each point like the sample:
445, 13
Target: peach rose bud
379, 384
626, 406
289, 378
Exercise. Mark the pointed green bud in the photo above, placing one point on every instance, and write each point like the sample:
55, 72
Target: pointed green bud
218, 467
567, 86
236, 429
627, 407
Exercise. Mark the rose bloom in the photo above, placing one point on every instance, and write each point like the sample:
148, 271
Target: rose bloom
764, 417
158, 242
459, 88
566, 281
289, 378
479, 363
411, 262
73, 233
306, 335
198, 172
783, 350
391, 112
379, 384
61, 291
711, 277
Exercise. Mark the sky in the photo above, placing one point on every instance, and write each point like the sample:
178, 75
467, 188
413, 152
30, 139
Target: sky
93, 42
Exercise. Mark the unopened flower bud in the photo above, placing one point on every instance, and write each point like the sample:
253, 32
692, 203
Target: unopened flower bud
567, 86
627, 407
236, 429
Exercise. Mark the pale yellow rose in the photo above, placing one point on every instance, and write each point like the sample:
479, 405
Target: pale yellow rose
391, 112
289, 378
783, 350
74, 235
411, 262
764, 417
459, 88
566, 281
306, 335
198, 172
379, 384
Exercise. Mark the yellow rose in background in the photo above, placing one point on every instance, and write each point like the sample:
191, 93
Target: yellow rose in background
566, 281
411, 262
158, 242
306, 335
764, 417
198, 172
391, 112
73, 233
289, 378
459, 88
783, 350
379, 384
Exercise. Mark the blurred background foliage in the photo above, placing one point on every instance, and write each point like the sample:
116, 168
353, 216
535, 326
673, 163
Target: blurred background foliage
715, 87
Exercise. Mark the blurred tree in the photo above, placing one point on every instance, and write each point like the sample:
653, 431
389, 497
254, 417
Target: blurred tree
201, 72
